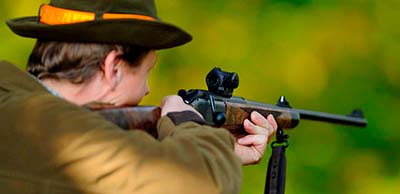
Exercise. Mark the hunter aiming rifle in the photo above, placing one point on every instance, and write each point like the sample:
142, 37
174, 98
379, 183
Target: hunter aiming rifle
219, 108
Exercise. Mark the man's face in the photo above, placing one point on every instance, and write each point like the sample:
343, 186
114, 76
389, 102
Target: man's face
134, 83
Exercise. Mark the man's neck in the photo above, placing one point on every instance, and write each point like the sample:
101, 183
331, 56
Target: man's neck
79, 94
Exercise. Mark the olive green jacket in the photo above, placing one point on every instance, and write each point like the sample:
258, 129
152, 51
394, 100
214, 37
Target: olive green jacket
50, 146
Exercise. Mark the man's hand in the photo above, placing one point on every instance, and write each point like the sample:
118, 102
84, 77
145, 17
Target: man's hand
251, 147
174, 103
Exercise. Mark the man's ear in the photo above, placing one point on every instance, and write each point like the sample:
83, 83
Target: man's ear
112, 69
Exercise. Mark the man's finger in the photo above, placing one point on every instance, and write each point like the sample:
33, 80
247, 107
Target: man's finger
251, 128
272, 121
259, 119
253, 140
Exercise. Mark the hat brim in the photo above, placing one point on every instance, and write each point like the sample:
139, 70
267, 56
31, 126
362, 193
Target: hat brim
150, 34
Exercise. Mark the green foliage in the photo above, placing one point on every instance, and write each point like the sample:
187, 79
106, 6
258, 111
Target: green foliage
325, 55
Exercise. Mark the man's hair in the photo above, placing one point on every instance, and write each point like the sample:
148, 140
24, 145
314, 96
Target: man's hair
76, 62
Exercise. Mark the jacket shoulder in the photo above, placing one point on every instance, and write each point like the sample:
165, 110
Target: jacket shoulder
13, 78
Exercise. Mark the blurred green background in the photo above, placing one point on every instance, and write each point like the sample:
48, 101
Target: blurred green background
324, 55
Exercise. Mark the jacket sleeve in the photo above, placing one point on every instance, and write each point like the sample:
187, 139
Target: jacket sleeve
99, 157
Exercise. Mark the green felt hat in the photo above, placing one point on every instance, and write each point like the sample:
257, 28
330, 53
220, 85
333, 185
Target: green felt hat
133, 22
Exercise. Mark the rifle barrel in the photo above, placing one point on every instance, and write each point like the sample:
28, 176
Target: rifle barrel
355, 119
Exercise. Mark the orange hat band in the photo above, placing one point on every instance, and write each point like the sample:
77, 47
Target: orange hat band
55, 16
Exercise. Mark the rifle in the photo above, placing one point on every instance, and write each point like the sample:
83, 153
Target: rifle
219, 108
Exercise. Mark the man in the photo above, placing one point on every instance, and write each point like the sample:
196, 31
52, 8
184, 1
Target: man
102, 51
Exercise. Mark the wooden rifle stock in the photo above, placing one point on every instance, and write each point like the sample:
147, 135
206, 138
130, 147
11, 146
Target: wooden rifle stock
136, 117
145, 117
